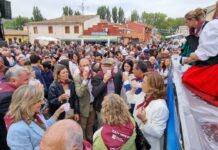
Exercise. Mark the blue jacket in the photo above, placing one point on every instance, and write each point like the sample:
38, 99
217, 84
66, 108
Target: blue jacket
39, 76
48, 77
22, 136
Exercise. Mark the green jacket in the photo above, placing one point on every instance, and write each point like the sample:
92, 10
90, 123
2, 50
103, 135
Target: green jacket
84, 96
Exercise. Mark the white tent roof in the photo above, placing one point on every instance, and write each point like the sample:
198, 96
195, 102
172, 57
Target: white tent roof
44, 38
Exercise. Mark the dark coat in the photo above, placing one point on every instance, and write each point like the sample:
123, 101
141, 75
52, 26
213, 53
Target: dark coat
6, 91
99, 89
56, 90
48, 77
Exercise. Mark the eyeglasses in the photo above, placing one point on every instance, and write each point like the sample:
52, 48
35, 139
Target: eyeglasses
41, 100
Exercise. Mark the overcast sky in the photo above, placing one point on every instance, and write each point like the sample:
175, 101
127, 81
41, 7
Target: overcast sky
53, 8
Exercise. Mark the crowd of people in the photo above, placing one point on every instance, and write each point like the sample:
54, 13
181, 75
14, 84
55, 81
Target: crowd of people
93, 85
66, 96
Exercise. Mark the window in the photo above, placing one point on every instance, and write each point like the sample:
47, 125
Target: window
10, 40
35, 30
67, 29
50, 29
15, 39
76, 29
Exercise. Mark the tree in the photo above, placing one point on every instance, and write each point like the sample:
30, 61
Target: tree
102, 12
108, 15
120, 15
77, 13
37, 16
134, 15
114, 14
67, 11
17, 23
161, 21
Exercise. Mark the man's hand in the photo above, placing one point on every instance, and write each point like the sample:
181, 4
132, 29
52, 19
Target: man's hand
107, 76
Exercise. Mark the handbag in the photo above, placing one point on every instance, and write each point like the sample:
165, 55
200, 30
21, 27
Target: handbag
140, 141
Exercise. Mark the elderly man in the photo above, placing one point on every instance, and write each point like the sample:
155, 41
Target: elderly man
83, 91
15, 77
107, 81
64, 135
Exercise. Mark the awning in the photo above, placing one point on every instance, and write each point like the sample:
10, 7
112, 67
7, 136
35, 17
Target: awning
94, 39
44, 38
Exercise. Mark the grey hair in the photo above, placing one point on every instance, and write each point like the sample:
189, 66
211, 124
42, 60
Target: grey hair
14, 72
75, 138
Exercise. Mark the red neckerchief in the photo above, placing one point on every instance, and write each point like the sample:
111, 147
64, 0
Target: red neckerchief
87, 145
146, 102
64, 82
37, 118
101, 73
8, 120
137, 79
39, 121
89, 76
199, 27
192, 31
115, 136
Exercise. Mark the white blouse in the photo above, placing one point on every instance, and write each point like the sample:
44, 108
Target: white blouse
157, 115
208, 42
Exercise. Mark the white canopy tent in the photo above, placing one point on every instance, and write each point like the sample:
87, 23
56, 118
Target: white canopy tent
44, 38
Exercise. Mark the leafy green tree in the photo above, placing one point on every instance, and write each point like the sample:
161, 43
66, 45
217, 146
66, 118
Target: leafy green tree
108, 15
134, 15
17, 24
121, 15
77, 13
67, 11
37, 16
114, 14
102, 12
161, 21
156, 19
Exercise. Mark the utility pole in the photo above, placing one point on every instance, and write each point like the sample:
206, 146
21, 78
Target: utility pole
82, 7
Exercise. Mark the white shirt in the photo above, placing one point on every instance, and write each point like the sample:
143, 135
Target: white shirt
164, 73
157, 115
132, 98
208, 42
74, 68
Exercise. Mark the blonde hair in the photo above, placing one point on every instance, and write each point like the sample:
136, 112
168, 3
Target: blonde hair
201, 13
215, 15
22, 101
197, 14
155, 85
114, 110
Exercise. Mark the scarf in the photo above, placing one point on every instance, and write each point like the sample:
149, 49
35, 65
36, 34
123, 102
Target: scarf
38, 120
137, 79
115, 136
64, 82
89, 76
8, 120
146, 102
101, 73
199, 28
